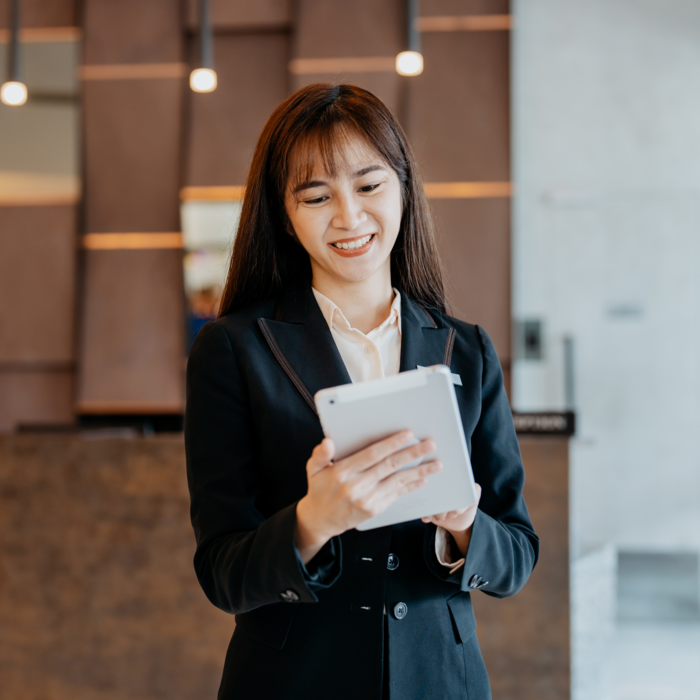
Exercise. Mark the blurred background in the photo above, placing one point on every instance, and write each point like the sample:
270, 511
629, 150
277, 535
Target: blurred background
560, 145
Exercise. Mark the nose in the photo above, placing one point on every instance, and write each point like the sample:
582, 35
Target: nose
348, 214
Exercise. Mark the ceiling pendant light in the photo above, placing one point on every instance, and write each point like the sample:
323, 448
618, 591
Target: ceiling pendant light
14, 92
411, 62
203, 79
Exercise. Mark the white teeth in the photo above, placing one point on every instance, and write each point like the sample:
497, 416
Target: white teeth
354, 245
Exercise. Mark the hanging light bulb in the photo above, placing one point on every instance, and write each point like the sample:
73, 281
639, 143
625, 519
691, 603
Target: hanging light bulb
14, 91
411, 62
203, 79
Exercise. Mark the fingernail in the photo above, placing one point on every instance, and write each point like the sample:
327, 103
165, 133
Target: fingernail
437, 467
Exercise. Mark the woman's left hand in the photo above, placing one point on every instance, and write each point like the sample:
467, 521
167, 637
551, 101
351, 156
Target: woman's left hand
458, 522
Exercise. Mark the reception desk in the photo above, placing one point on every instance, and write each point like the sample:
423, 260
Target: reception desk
525, 639
98, 597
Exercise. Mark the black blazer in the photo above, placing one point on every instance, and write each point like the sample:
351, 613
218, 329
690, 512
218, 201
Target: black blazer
318, 631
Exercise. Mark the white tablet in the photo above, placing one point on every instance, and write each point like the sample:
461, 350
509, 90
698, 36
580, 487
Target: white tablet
422, 400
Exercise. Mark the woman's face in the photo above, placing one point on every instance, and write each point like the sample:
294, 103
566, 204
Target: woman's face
348, 223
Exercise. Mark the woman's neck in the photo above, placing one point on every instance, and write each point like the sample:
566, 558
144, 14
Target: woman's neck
365, 304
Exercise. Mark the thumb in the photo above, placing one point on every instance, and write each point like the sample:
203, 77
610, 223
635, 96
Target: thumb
322, 456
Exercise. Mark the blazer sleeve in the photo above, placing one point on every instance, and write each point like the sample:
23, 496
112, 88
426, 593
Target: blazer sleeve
503, 548
243, 560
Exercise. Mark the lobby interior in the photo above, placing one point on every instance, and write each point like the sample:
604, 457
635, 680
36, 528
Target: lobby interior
560, 151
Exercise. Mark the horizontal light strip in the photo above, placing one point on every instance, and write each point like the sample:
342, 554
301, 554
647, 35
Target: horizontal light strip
30, 366
233, 193
104, 408
434, 190
468, 190
35, 35
362, 64
131, 241
133, 71
465, 23
38, 200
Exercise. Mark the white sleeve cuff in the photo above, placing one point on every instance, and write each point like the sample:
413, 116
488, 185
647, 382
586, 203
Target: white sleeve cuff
443, 550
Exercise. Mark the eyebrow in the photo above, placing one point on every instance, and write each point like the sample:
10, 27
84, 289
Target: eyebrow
308, 184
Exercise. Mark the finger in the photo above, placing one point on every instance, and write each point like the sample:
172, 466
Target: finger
383, 502
429, 519
321, 457
396, 482
456, 513
396, 461
378, 451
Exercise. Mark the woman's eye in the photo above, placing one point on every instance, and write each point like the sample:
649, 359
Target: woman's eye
318, 200
369, 188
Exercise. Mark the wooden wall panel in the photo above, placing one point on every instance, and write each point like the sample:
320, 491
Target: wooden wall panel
98, 595
460, 107
452, 8
37, 314
352, 30
459, 123
474, 241
226, 123
35, 398
132, 137
131, 355
43, 13
243, 14
132, 336
131, 31
37, 283
525, 639
361, 28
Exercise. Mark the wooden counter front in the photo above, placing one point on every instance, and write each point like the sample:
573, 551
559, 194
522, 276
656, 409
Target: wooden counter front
525, 639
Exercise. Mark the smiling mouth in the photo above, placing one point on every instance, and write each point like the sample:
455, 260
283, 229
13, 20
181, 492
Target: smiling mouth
356, 244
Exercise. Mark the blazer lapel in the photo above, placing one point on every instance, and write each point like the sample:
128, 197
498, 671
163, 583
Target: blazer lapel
423, 341
303, 345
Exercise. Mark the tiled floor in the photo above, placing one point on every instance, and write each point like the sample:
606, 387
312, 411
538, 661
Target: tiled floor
656, 647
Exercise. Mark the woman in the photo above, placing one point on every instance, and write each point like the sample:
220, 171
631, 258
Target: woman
335, 278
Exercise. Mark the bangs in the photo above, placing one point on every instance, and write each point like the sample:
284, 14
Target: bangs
323, 151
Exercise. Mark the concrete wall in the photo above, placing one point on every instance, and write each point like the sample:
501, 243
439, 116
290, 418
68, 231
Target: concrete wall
606, 250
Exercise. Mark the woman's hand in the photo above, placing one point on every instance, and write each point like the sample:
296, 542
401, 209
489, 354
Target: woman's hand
344, 494
458, 522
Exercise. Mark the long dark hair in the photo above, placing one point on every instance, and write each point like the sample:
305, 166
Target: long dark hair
265, 257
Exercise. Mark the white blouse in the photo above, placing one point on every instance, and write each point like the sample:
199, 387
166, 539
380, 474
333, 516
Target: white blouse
372, 356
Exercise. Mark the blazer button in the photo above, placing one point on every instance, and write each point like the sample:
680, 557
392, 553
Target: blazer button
400, 611
475, 582
392, 563
289, 596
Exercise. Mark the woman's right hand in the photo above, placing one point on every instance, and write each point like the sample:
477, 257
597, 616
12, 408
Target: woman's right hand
345, 493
